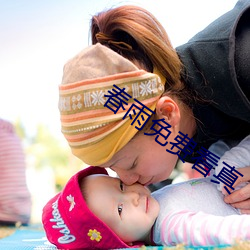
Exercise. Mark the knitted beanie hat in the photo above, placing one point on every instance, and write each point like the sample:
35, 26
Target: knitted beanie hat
104, 101
69, 223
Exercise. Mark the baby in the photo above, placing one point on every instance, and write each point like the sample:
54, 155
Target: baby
96, 211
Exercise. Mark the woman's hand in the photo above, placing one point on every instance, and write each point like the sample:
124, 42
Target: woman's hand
241, 198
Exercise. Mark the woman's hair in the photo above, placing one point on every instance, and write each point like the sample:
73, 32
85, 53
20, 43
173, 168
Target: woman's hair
136, 34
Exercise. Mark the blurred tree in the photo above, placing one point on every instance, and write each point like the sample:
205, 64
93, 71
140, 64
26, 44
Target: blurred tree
45, 150
20, 130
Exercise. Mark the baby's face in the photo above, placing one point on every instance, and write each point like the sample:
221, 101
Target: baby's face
130, 211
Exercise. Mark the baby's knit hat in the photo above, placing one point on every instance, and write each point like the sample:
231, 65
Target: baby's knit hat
69, 223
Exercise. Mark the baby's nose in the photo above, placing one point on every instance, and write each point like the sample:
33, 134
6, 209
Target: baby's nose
133, 198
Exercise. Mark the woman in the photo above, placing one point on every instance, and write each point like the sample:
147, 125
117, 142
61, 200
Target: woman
197, 77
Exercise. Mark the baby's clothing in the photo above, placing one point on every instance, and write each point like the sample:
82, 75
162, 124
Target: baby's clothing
194, 212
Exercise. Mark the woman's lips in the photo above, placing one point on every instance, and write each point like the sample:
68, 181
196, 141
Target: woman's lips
148, 183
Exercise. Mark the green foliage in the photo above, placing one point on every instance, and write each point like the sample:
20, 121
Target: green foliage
45, 150
20, 130
48, 150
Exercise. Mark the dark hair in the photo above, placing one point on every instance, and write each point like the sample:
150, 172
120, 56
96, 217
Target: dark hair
136, 34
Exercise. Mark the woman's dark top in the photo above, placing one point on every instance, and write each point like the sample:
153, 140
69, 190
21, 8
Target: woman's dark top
217, 67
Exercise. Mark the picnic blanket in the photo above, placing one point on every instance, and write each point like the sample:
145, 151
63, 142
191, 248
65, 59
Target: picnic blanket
33, 237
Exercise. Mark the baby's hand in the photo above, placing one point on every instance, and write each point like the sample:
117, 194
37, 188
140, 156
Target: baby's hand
240, 197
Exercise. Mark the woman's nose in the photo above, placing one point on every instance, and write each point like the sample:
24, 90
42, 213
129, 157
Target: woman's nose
126, 177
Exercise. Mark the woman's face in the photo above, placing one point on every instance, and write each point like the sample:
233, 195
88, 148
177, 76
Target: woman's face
143, 160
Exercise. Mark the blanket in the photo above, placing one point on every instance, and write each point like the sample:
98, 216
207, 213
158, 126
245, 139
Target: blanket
33, 237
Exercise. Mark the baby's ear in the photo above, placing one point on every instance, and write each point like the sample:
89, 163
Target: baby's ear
168, 109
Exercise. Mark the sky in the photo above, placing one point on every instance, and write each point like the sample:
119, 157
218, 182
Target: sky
38, 37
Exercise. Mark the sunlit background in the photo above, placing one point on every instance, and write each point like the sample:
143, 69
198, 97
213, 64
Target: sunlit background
36, 39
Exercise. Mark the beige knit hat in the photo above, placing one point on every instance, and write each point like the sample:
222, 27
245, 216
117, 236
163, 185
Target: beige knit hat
94, 127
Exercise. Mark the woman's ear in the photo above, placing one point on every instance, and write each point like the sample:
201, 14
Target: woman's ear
168, 109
